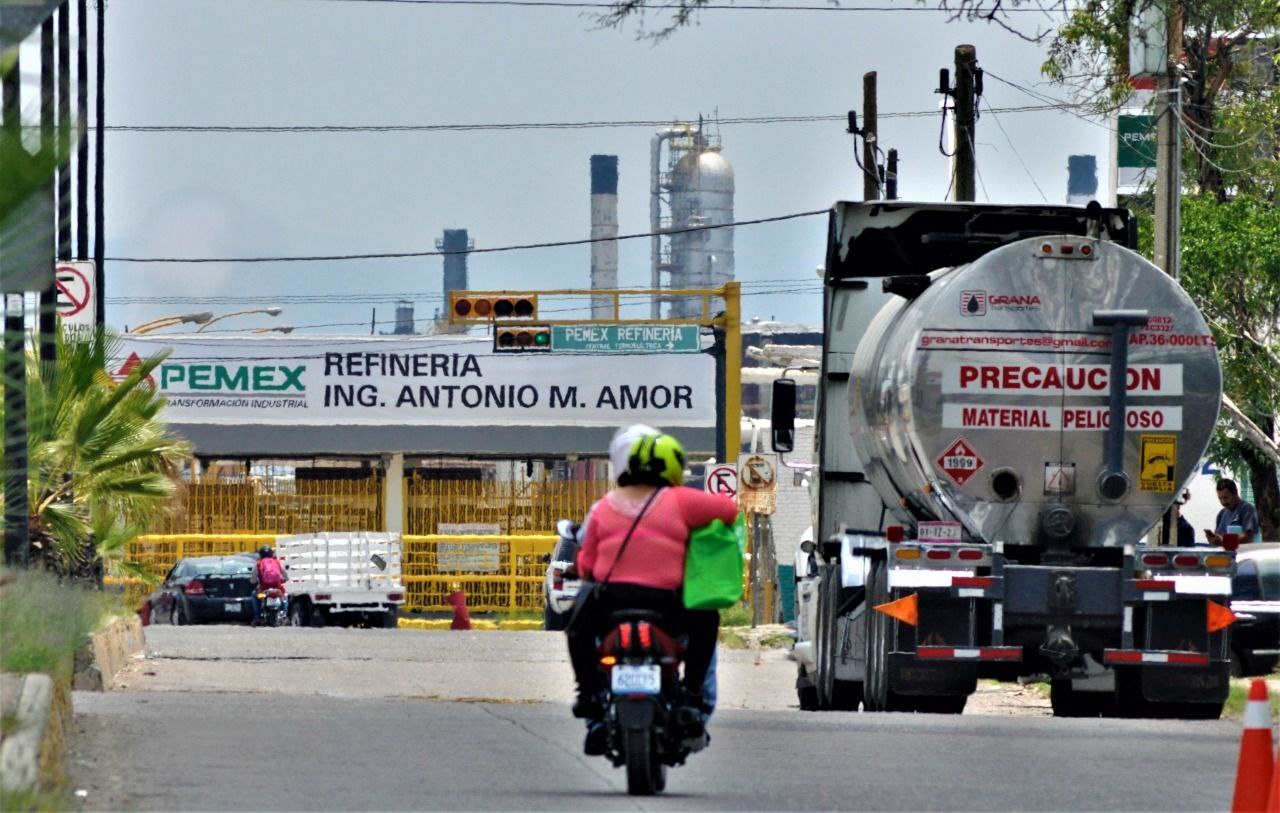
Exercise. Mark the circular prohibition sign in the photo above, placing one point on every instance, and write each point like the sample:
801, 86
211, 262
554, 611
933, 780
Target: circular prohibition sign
73, 290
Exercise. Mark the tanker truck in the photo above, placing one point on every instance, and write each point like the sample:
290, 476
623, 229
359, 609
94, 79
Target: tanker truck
1010, 398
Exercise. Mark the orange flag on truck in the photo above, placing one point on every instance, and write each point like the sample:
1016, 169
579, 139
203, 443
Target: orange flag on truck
905, 609
1219, 617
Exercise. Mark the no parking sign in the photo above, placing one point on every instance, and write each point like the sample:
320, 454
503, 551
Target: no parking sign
77, 306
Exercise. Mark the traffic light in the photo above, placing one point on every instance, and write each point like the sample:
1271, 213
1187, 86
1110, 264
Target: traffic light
468, 306
523, 339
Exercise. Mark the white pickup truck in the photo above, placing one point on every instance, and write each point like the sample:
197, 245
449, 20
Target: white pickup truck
342, 578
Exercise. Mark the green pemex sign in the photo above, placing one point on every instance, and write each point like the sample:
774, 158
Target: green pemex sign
625, 339
1136, 140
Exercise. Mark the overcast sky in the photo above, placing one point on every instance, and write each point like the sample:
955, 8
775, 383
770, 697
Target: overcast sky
362, 62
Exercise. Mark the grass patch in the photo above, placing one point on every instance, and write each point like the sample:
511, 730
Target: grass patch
36, 800
777, 640
732, 640
43, 622
1239, 695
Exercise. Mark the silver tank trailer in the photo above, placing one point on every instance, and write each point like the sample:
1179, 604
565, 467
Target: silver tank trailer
984, 400
702, 195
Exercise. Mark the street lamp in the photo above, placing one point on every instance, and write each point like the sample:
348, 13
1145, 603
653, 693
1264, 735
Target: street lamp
272, 311
201, 318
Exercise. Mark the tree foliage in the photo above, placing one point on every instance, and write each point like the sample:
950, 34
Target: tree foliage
102, 463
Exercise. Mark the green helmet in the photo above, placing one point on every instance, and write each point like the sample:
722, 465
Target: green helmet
655, 460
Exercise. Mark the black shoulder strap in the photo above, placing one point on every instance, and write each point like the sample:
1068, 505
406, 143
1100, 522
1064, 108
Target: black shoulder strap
627, 539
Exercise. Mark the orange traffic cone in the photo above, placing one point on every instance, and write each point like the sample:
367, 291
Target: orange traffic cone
1273, 803
1254, 770
461, 615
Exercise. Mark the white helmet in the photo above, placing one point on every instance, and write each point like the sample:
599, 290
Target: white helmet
620, 446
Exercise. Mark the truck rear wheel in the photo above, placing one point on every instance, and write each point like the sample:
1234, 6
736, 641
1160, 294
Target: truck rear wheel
877, 694
845, 695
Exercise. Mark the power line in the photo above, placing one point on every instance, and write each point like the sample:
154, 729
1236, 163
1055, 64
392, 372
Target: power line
409, 254
433, 296
665, 6
273, 129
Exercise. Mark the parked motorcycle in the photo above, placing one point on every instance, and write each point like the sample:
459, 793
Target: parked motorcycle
648, 727
271, 608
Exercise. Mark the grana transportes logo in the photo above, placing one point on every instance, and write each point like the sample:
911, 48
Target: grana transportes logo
976, 303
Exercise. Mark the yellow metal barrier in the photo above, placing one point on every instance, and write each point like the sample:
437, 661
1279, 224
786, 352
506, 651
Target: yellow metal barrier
498, 573
278, 506
514, 507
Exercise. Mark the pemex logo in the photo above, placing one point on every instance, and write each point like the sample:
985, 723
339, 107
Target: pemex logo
130, 363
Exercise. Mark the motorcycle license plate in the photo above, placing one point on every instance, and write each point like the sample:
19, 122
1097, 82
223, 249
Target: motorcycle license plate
232, 606
637, 679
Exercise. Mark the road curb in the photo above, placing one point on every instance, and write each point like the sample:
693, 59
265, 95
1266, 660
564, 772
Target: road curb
107, 652
37, 707
476, 624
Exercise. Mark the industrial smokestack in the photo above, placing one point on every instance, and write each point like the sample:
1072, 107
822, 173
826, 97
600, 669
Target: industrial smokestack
604, 231
455, 244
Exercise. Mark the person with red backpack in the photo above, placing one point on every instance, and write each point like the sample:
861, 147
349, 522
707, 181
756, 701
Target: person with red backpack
269, 573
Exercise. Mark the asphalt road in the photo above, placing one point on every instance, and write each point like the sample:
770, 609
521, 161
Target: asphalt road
235, 718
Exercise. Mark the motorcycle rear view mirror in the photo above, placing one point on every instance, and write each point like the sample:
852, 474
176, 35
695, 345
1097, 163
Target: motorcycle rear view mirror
782, 415
807, 546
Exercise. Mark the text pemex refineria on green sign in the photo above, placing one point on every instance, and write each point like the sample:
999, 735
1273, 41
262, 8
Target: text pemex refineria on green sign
625, 339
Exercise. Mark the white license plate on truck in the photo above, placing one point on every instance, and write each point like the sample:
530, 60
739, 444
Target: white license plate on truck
637, 679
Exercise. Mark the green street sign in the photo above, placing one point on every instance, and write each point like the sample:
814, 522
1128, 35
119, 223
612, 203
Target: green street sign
1136, 141
625, 339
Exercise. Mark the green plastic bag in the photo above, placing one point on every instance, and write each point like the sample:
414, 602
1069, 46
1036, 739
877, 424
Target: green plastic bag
713, 565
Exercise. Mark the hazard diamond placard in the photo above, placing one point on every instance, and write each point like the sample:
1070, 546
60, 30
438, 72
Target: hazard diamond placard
960, 461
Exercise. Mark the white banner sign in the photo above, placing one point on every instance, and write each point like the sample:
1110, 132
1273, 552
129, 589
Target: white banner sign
429, 381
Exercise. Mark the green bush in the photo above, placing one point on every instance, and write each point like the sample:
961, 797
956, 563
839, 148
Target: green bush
43, 622
739, 615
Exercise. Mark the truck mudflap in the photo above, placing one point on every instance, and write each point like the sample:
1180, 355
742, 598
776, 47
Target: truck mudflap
977, 653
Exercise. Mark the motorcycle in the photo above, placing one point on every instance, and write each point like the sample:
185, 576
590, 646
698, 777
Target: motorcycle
271, 612
648, 727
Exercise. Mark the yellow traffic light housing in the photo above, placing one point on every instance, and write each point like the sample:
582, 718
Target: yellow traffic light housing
472, 306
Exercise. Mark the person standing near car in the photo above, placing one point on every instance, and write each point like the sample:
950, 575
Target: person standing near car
1235, 512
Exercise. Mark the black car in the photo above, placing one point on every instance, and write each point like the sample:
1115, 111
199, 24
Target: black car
206, 588
1255, 599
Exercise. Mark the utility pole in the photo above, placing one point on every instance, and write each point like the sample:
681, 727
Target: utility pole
963, 180
17, 545
1168, 213
82, 133
891, 177
870, 174
99, 195
47, 313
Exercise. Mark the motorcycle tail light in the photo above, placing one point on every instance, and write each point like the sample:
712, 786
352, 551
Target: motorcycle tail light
646, 634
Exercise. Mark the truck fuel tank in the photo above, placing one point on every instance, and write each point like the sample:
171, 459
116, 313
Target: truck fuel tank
983, 394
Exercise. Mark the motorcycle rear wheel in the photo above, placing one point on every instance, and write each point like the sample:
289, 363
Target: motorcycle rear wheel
645, 774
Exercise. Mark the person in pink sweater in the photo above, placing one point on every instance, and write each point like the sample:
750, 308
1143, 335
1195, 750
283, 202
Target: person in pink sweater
634, 543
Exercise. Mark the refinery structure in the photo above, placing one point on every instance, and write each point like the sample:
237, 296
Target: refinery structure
691, 190
690, 195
